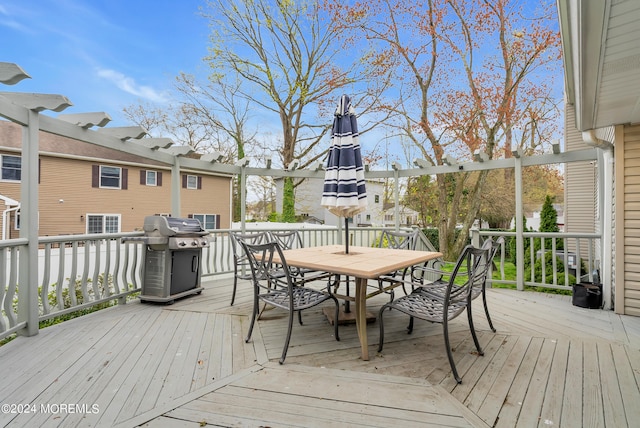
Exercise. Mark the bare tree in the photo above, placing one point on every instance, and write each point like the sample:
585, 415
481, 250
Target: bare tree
464, 71
284, 53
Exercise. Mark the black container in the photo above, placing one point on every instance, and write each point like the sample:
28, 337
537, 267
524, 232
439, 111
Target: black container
587, 295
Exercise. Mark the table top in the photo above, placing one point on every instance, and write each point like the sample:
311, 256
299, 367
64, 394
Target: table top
361, 262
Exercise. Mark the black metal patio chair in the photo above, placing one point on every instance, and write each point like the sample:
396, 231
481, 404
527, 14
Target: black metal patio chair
457, 299
399, 240
438, 286
241, 268
273, 284
289, 240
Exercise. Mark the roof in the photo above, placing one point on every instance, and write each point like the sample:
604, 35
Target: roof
601, 46
11, 137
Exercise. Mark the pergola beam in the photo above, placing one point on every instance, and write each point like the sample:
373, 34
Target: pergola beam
11, 73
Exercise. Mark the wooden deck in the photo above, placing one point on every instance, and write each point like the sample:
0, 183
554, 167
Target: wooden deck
186, 365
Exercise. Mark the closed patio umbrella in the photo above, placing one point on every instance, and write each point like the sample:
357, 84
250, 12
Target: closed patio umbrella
344, 192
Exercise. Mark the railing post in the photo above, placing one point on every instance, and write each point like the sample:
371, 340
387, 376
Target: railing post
474, 235
519, 226
176, 185
28, 271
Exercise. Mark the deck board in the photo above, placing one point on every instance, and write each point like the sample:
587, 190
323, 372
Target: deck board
549, 364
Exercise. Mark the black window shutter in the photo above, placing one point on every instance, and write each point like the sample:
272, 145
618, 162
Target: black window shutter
125, 178
218, 221
95, 176
199, 182
143, 177
184, 181
159, 181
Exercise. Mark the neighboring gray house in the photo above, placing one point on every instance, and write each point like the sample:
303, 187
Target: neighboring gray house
309, 194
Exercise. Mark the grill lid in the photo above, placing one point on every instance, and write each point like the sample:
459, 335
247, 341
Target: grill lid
156, 225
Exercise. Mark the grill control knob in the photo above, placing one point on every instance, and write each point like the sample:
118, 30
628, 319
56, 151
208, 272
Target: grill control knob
182, 243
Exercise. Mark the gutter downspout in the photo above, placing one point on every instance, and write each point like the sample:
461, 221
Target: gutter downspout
606, 208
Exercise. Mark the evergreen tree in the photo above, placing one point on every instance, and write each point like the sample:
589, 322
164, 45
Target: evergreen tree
548, 217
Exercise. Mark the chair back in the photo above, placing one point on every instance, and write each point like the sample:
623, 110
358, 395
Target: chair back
497, 245
399, 240
288, 239
473, 265
267, 275
252, 238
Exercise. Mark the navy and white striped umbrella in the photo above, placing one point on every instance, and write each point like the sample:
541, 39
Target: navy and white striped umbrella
344, 192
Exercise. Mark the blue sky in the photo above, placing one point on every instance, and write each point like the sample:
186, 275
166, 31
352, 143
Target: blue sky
103, 54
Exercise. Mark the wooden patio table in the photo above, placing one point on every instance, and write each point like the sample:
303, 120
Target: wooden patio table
362, 263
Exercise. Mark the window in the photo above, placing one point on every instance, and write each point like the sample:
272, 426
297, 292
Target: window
208, 221
11, 168
110, 176
103, 223
152, 178
191, 181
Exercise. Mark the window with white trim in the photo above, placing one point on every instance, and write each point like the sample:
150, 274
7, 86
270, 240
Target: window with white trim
208, 221
103, 223
110, 176
152, 178
192, 181
11, 168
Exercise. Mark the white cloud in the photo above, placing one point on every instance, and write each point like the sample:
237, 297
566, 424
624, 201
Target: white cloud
129, 85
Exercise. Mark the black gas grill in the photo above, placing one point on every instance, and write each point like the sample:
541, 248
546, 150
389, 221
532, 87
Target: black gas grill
173, 258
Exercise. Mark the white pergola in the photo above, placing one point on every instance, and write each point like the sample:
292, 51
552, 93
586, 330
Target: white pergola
25, 110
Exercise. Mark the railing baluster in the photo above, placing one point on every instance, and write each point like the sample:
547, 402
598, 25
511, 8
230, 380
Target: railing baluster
60, 281
4, 300
96, 271
106, 291
12, 287
116, 268
44, 286
74, 270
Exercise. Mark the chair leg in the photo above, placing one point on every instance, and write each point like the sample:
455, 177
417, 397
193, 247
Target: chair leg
235, 284
447, 344
254, 315
410, 326
337, 316
288, 339
300, 317
486, 310
380, 321
473, 330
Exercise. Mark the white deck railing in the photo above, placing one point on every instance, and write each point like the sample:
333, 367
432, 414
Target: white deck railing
576, 255
76, 272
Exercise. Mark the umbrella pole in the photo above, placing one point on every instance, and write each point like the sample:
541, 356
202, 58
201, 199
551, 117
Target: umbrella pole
346, 235
347, 307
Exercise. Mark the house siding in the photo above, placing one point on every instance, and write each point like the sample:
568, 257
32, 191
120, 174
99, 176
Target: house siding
67, 195
580, 214
629, 157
